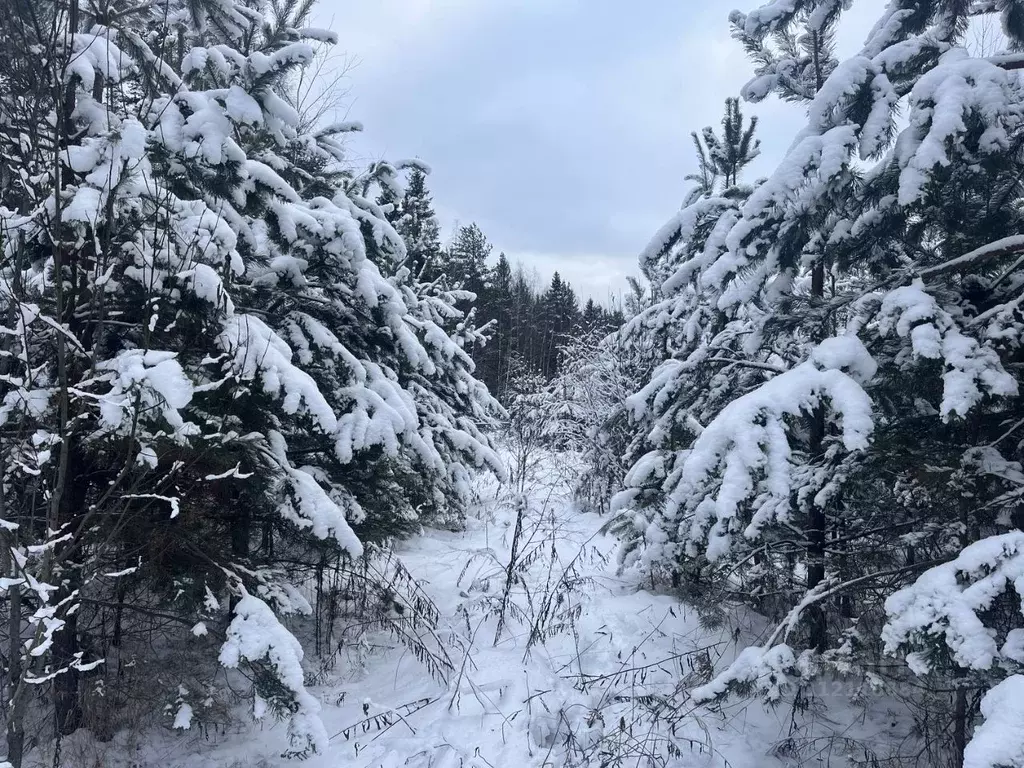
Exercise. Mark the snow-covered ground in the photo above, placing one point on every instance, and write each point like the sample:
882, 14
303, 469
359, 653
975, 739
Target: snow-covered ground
577, 666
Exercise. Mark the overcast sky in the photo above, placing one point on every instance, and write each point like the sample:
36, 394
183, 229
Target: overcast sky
561, 127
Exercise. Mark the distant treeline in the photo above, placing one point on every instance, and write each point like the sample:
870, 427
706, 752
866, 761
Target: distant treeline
528, 324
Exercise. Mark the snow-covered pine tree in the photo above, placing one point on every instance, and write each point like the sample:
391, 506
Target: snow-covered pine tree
724, 156
586, 413
559, 320
454, 405
463, 263
676, 327
199, 350
842, 352
465, 260
499, 310
413, 216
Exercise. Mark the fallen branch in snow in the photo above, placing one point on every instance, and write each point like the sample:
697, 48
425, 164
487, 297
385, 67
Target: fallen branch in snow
588, 679
382, 719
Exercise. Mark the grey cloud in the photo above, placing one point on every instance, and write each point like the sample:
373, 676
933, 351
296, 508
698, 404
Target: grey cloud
562, 126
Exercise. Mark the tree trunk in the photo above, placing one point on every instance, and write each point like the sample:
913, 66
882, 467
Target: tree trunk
69, 490
67, 710
15, 703
960, 722
118, 616
241, 530
67, 707
818, 519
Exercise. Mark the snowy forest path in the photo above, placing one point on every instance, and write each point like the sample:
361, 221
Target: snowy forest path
555, 659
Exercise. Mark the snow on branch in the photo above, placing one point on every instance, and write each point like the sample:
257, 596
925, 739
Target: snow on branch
744, 453
999, 741
766, 19
309, 506
257, 352
681, 228
766, 668
350, 126
941, 104
1007, 61
971, 370
944, 604
143, 384
327, 36
998, 249
255, 635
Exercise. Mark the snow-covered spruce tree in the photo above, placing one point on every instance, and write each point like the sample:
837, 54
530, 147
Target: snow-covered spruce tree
836, 412
412, 213
464, 266
453, 405
465, 260
585, 410
199, 352
559, 318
